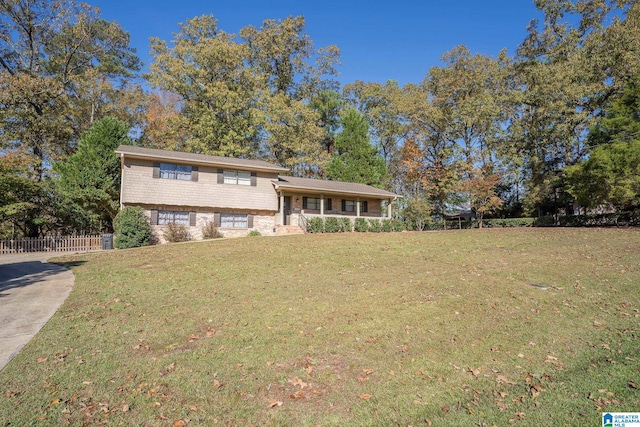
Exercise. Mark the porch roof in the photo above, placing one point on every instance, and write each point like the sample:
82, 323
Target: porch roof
192, 158
319, 186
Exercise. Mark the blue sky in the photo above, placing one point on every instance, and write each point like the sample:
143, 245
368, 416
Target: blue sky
379, 40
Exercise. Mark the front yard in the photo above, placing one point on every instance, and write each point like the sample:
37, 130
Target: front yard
473, 327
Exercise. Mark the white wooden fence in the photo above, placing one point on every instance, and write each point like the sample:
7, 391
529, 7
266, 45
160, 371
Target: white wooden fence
51, 244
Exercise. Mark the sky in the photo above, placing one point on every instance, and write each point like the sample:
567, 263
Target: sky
379, 40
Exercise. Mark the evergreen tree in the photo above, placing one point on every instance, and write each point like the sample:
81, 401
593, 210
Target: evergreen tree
355, 159
611, 174
91, 177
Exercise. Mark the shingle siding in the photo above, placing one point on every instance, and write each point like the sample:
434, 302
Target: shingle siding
142, 188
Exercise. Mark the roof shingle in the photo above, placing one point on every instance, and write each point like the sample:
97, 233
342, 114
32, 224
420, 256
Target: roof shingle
338, 187
178, 156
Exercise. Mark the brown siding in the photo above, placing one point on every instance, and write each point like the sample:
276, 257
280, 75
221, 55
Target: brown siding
140, 187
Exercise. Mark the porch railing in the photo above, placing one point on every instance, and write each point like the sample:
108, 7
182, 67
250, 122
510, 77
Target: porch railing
302, 222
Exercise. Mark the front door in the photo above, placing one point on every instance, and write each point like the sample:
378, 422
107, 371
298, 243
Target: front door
287, 210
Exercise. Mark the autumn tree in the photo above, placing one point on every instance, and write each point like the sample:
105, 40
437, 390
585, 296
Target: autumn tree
355, 159
567, 68
247, 95
162, 124
60, 68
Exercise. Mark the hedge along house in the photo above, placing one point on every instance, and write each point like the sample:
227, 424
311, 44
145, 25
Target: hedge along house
303, 198
236, 195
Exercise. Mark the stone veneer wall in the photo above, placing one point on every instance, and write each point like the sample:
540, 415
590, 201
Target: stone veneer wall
264, 222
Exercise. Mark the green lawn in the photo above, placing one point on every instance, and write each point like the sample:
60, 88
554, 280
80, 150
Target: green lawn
441, 328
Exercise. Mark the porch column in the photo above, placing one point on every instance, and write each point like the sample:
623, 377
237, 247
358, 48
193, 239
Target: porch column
281, 213
389, 208
321, 205
357, 206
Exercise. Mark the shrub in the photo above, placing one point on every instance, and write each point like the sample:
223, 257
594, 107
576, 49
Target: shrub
361, 225
375, 225
210, 231
331, 225
131, 228
397, 225
508, 222
254, 233
315, 225
544, 221
387, 225
346, 225
174, 233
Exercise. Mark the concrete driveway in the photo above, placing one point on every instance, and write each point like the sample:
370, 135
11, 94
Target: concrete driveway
31, 290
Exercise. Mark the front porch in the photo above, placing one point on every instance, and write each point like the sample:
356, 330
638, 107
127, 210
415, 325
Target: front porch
292, 206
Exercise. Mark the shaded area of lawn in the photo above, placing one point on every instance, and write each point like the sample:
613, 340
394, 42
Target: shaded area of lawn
400, 328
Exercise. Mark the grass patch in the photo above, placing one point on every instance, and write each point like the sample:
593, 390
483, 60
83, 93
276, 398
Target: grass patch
342, 329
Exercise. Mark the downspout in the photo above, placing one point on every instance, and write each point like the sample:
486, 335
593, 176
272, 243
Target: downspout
121, 180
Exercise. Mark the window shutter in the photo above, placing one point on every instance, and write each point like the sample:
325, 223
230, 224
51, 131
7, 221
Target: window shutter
364, 206
304, 202
216, 219
156, 170
250, 221
220, 176
194, 173
328, 205
254, 179
192, 219
154, 217
344, 205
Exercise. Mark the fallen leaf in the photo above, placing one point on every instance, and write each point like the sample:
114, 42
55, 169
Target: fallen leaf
365, 396
275, 403
217, 384
632, 384
597, 324
428, 421
179, 423
367, 371
474, 372
170, 368
125, 408
297, 381
503, 379
42, 359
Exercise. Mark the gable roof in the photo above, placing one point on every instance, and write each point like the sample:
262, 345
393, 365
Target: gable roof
200, 159
331, 187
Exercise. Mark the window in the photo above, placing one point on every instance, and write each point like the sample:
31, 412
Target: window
173, 217
311, 203
171, 171
234, 220
237, 177
349, 205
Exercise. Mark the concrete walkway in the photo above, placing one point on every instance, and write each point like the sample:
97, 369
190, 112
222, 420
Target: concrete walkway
31, 290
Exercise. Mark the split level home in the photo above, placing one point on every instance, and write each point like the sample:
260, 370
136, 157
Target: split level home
237, 195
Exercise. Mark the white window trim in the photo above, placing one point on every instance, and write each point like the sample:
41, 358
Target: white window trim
175, 171
236, 220
237, 177
173, 217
